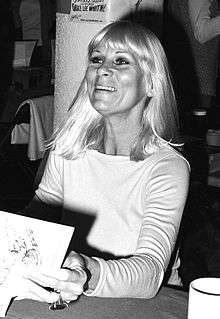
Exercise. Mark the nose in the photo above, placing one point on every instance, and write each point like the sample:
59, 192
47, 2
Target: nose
105, 69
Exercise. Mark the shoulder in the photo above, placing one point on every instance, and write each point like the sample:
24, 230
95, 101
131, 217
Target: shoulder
169, 163
58, 159
169, 174
170, 155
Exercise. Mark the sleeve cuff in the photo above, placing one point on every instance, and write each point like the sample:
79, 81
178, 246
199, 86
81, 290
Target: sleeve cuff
96, 291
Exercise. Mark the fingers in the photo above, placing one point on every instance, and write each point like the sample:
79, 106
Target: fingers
58, 279
70, 283
31, 290
51, 280
74, 260
69, 280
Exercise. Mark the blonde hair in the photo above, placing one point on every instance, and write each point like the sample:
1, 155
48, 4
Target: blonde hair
84, 128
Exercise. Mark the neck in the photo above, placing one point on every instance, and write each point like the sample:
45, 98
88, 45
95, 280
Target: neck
119, 139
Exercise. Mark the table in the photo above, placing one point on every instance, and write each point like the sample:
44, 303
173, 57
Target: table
168, 304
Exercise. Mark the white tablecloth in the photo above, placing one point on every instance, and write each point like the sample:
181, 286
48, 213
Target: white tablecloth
39, 129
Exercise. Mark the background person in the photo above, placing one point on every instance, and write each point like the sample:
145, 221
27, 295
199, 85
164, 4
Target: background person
113, 162
37, 20
205, 23
205, 19
191, 43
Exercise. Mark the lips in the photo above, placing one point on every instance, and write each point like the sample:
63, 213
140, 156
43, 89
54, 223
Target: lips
105, 88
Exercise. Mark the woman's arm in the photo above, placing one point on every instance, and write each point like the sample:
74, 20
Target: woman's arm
47, 205
48, 199
140, 275
204, 26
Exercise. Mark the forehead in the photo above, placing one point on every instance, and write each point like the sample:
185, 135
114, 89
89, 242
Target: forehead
113, 42
105, 49
110, 46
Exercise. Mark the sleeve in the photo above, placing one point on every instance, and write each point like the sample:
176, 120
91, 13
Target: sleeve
50, 189
204, 26
140, 275
48, 200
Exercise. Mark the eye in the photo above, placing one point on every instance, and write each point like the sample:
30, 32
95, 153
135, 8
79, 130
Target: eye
96, 60
121, 61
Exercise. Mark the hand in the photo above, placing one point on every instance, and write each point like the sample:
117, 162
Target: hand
69, 280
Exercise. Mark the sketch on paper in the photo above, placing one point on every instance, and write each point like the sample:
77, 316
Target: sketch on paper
32, 241
27, 242
18, 246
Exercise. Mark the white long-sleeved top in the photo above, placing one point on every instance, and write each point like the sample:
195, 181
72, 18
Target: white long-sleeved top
137, 208
204, 26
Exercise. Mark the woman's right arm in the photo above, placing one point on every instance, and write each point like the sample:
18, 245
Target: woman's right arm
48, 199
204, 26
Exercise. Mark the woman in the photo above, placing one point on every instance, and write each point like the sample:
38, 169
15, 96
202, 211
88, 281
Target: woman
113, 160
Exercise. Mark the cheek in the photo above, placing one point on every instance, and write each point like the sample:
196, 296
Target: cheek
128, 80
133, 80
135, 85
141, 84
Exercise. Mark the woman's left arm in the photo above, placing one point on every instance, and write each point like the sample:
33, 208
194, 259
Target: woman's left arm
140, 275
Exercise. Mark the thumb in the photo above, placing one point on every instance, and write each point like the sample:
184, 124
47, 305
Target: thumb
74, 261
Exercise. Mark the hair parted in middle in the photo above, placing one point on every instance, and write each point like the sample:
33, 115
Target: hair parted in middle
83, 127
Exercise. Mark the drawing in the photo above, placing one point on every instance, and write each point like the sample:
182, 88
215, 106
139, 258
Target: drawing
27, 242
19, 246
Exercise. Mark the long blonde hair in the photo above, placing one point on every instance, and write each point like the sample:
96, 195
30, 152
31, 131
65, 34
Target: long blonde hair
84, 128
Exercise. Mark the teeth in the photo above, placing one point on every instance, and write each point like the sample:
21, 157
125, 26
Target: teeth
106, 88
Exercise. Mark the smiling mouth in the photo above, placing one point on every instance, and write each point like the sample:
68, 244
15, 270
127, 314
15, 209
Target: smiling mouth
105, 88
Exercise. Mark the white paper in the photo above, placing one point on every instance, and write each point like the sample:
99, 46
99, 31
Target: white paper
204, 299
28, 244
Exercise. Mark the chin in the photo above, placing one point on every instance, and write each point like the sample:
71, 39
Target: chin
101, 107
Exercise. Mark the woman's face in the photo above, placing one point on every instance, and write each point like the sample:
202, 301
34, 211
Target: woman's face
115, 82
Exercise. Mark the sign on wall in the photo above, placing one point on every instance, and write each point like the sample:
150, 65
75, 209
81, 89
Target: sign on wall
98, 10
88, 10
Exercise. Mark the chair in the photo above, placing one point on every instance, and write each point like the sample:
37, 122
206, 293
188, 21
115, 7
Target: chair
39, 129
17, 172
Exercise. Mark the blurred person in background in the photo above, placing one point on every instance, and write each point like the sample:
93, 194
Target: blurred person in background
205, 23
191, 41
37, 20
